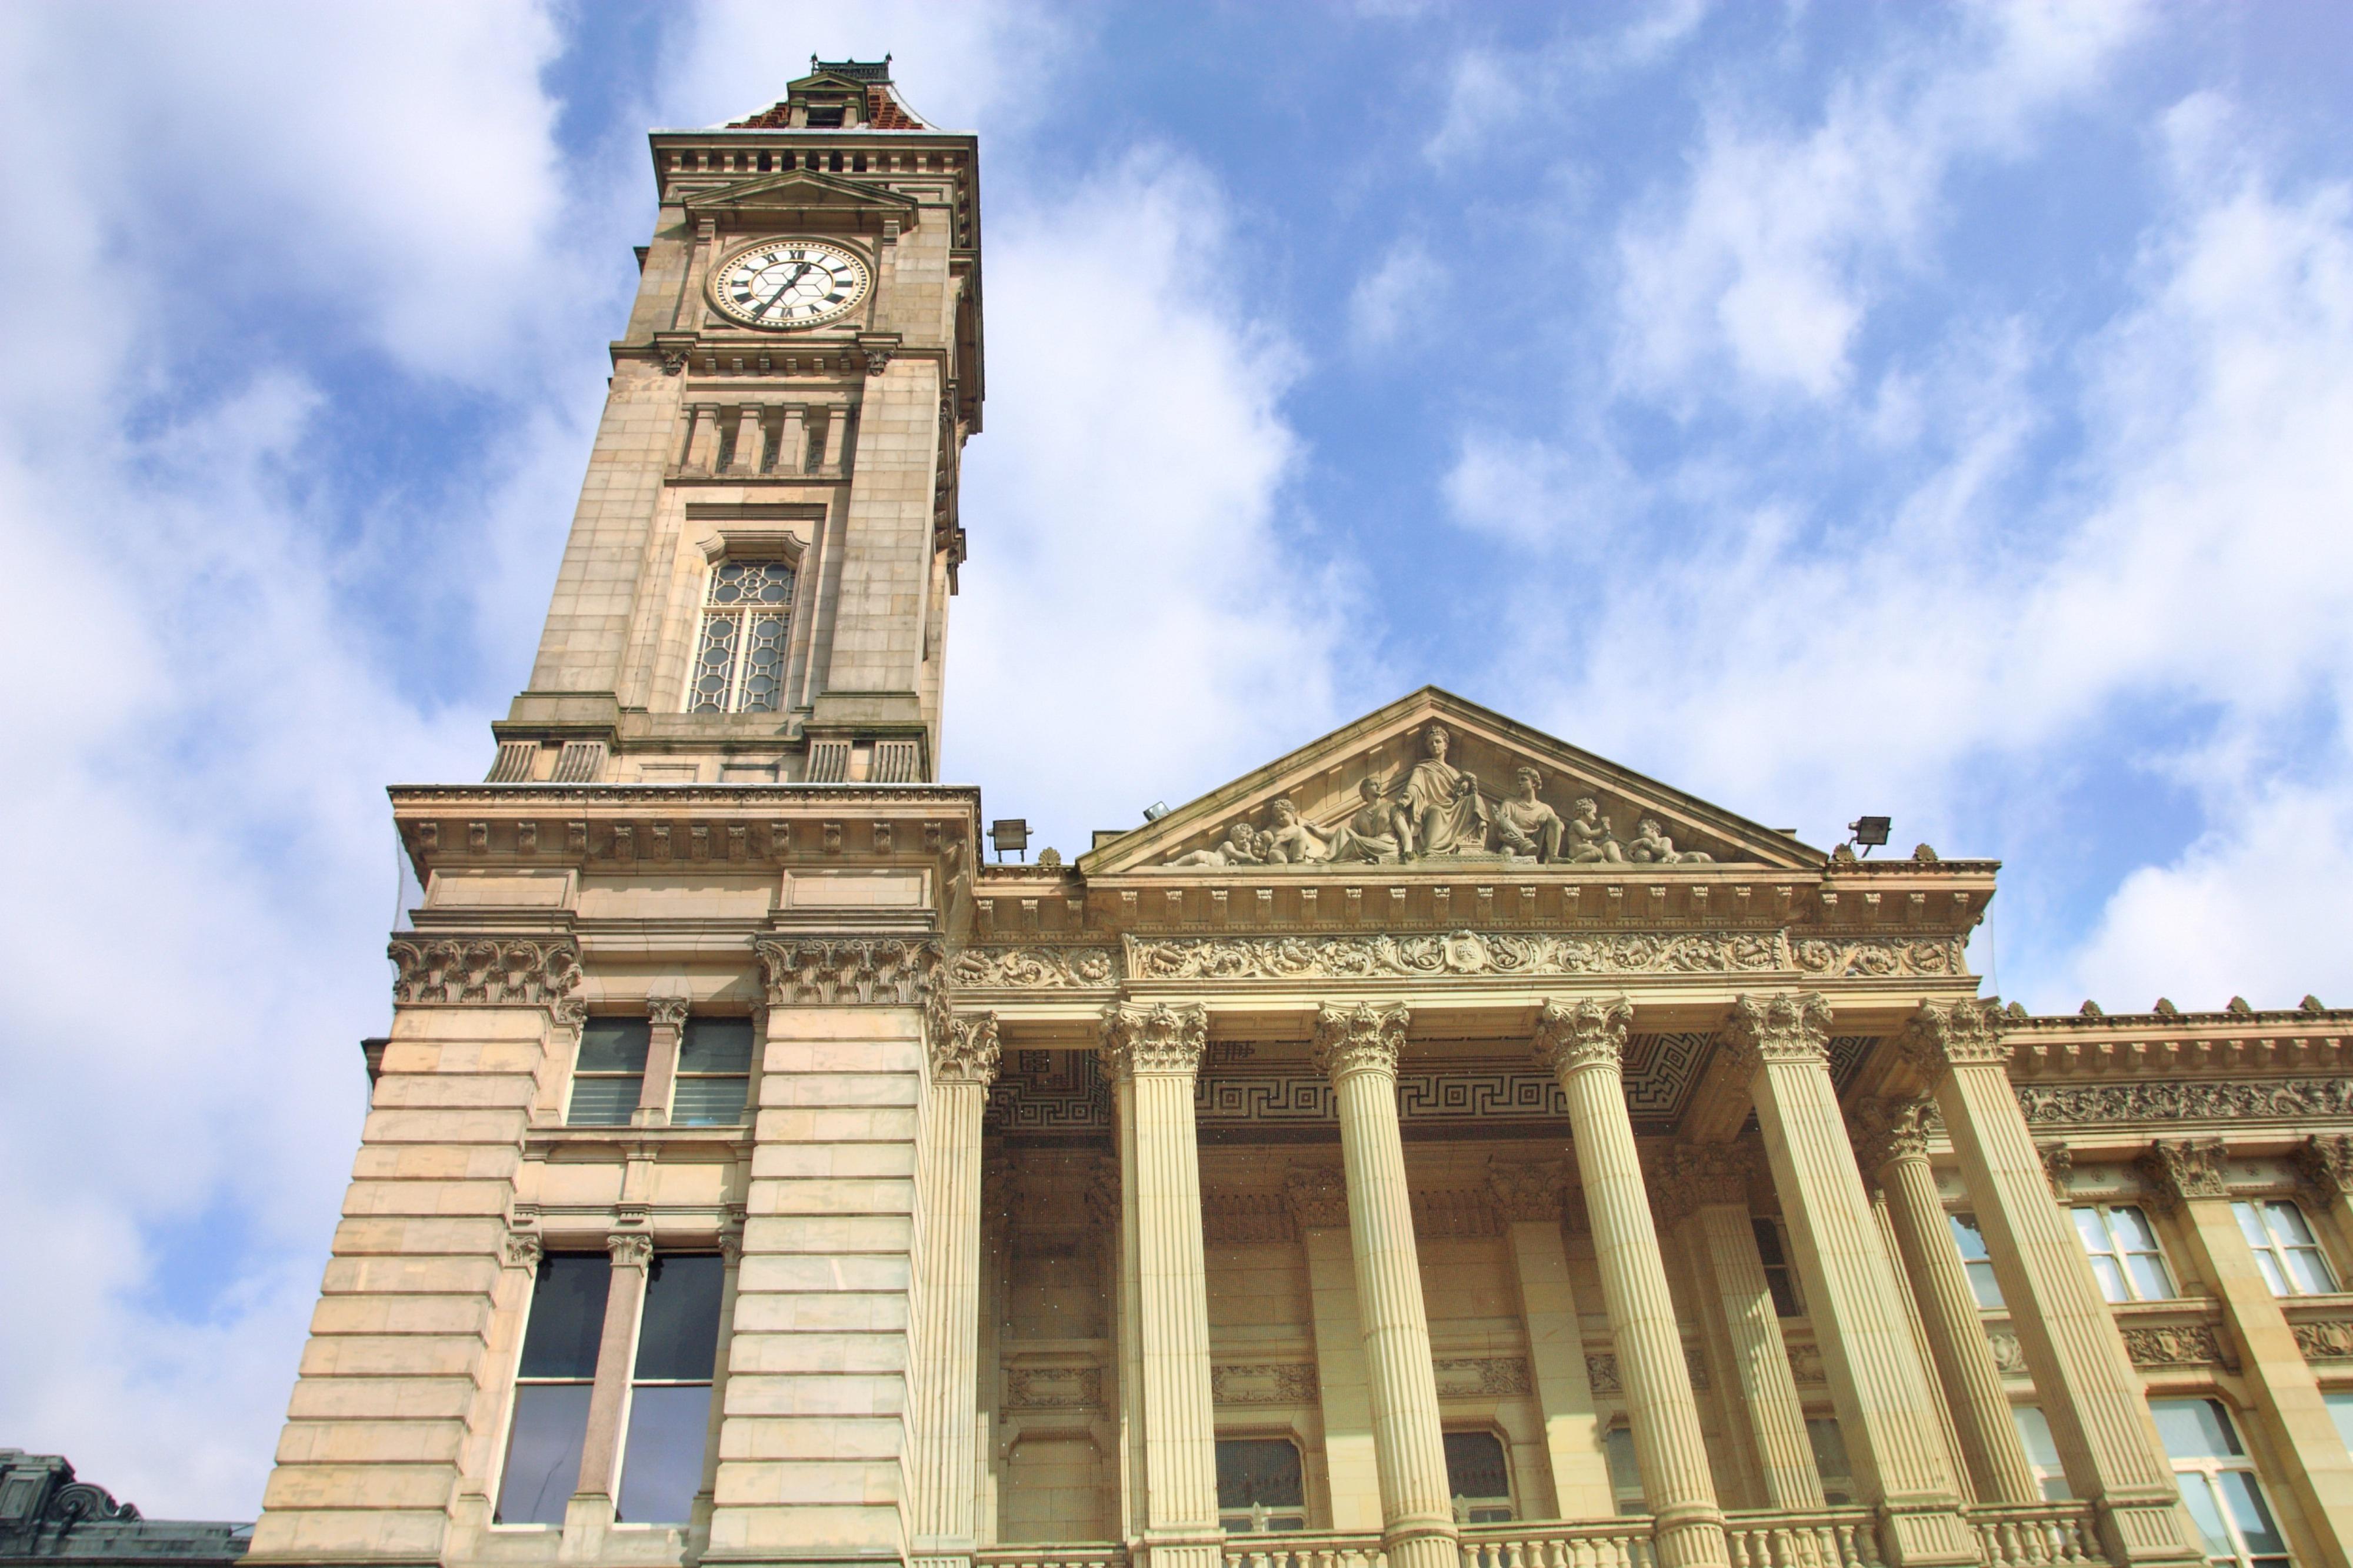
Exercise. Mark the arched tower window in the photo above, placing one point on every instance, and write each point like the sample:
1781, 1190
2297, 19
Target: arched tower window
739, 652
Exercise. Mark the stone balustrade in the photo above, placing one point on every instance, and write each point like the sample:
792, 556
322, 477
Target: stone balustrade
2035, 1535
1812, 1538
1533, 1543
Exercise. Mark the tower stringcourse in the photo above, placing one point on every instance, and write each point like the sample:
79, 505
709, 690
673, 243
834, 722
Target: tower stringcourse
1440, 1147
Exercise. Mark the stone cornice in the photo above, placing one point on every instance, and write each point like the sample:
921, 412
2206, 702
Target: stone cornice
1359, 1038
486, 971
2158, 1044
1587, 1032
1785, 1027
1154, 1039
836, 971
966, 1051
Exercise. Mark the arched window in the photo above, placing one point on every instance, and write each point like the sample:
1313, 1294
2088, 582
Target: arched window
739, 653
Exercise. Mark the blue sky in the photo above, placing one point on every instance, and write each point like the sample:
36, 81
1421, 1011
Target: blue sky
1940, 411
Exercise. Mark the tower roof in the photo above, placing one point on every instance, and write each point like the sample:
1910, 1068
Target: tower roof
837, 94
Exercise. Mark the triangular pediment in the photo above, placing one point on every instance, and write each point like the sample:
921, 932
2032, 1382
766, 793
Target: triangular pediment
803, 199
1378, 792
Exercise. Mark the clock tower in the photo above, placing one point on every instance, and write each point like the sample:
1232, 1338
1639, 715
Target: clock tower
756, 586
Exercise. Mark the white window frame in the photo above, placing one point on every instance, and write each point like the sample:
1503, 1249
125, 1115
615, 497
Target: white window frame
1466, 1506
2200, 1470
1977, 1265
2121, 1256
2041, 1452
1262, 1519
2276, 1255
1628, 1489
742, 615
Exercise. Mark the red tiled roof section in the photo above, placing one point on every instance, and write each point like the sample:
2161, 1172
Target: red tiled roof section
775, 117
883, 114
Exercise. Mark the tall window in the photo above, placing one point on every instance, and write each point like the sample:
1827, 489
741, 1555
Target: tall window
2122, 1249
609, 1075
1625, 1469
2218, 1484
2285, 1250
1260, 1486
2341, 1405
2041, 1451
1830, 1462
550, 1395
739, 657
715, 1073
1976, 1259
1778, 1278
669, 1390
1479, 1478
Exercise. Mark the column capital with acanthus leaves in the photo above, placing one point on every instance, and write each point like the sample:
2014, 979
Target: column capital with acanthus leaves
964, 1049
1587, 1032
1360, 1038
1155, 1037
1945, 1035
1779, 1026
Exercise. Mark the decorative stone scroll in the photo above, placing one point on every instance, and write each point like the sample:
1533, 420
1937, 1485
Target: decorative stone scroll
1264, 1383
1456, 953
1879, 958
2180, 1169
488, 970
825, 972
2175, 1100
1034, 968
2328, 1339
1158, 1037
967, 1050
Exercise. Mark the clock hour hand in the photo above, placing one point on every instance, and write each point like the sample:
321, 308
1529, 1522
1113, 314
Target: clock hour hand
782, 288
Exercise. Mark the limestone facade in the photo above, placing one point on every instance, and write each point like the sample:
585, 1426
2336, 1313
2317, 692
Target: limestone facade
1440, 1146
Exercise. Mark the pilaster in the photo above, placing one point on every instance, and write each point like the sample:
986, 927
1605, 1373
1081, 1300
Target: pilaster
2091, 1394
1779, 1044
1318, 1195
964, 1054
1584, 1044
1529, 1197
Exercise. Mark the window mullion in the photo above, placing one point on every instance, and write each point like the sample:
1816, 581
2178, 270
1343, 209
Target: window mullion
742, 619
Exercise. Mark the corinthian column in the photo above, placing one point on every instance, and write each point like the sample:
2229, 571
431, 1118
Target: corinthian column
1779, 1045
2091, 1394
1358, 1048
1151, 1055
947, 1333
1895, 1150
1584, 1044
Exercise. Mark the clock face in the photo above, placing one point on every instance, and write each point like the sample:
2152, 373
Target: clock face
790, 283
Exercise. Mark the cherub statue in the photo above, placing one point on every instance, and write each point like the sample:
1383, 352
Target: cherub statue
1367, 836
1526, 826
1590, 836
1291, 841
1438, 810
1651, 844
1241, 847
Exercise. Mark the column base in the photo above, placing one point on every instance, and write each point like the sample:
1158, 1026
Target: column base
2143, 1530
1690, 1538
1919, 1535
1422, 1543
1180, 1549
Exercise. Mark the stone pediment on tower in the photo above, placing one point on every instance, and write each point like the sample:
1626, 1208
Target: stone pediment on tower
1434, 783
804, 199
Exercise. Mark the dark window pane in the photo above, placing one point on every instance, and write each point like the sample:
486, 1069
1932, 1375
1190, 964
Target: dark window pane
679, 1336
568, 1315
1768, 1242
1474, 1465
551, 1423
605, 1101
2194, 1429
613, 1044
661, 1468
716, 1044
1262, 1471
708, 1101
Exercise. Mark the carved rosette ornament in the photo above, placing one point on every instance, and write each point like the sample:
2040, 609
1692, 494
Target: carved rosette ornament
2180, 1169
1525, 1190
667, 1012
1156, 1038
630, 1249
2325, 1163
1318, 1195
1785, 1027
827, 972
1945, 1035
1886, 1130
967, 1050
1361, 1039
486, 971
1587, 1032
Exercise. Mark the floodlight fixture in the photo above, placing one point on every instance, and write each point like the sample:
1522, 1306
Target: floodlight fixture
1156, 811
1869, 832
1009, 833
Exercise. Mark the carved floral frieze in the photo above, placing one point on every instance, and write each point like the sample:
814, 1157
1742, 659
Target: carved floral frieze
1458, 953
2176, 1100
2179, 1344
1035, 968
1466, 1377
1262, 1382
1877, 958
1053, 1387
2330, 1339
489, 971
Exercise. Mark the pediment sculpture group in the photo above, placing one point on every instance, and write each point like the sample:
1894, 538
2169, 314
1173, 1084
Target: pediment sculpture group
1437, 811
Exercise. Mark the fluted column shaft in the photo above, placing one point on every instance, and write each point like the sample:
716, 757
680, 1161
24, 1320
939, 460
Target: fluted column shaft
1904, 1296
1781, 1044
947, 1330
1948, 1309
1152, 1054
1777, 1421
1584, 1043
1357, 1048
2091, 1394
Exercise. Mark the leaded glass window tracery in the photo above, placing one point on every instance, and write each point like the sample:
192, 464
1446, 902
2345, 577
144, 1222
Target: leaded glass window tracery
739, 652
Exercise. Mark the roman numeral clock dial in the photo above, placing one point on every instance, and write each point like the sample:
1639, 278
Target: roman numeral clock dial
787, 283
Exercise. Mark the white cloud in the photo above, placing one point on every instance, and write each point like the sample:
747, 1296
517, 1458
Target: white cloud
1491, 93
1383, 305
1129, 574
1769, 262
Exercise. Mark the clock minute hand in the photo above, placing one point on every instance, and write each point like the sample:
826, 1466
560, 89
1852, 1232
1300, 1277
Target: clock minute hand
782, 288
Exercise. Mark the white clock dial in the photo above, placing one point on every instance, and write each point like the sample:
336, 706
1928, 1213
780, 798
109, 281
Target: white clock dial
790, 283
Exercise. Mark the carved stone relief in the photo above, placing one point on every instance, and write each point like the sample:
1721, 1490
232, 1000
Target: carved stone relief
1035, 968
1458, 953
831, 971
484, 970
1264, 1383
1872, 958
1053, 1387
2188, 1344
2175, 1100
2330, 1339
1465, 1377
2008, 1355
